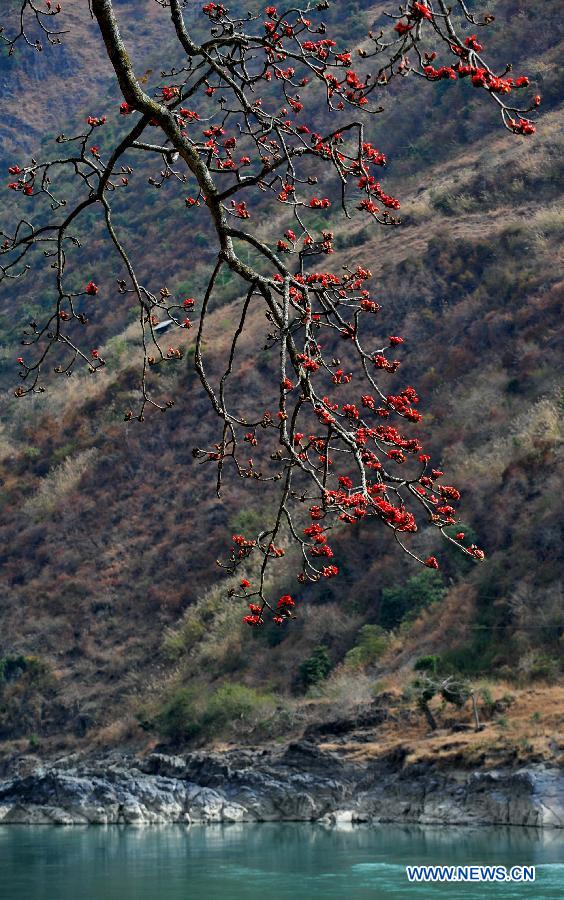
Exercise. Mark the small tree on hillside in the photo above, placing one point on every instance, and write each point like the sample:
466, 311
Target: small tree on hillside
316, 667
452, 690
266, 117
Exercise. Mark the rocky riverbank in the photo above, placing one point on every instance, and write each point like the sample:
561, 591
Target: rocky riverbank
301, 782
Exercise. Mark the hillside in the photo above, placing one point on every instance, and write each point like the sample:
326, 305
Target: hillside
115, 624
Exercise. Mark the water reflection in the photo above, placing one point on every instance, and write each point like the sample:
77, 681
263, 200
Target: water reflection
243, 862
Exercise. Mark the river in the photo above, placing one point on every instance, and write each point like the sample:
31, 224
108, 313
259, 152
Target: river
267, 861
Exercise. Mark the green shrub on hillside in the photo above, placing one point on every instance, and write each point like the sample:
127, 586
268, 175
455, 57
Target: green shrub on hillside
180, 719
26, 695
12, 668
179, 641
371, 643
316, 667
406, 601
231, 710
247, 521
233, 706
431, 664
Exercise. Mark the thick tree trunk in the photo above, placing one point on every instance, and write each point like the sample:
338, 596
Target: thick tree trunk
429, 716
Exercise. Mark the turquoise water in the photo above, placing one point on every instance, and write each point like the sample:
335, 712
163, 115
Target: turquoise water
267, 861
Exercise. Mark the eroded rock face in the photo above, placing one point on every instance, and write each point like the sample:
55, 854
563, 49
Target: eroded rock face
301, 783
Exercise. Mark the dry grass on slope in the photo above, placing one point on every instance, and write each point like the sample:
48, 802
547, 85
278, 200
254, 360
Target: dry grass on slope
532, 729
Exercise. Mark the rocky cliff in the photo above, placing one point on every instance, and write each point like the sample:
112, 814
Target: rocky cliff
302, 782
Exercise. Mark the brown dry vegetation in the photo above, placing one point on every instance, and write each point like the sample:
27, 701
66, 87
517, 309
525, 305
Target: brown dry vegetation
110, 531
531, 730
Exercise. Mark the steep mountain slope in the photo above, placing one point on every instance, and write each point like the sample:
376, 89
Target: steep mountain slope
110, 530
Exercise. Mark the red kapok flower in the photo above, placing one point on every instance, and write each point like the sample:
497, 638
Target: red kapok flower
473, 43
432, 562
91, 289
423, 10
476, 552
